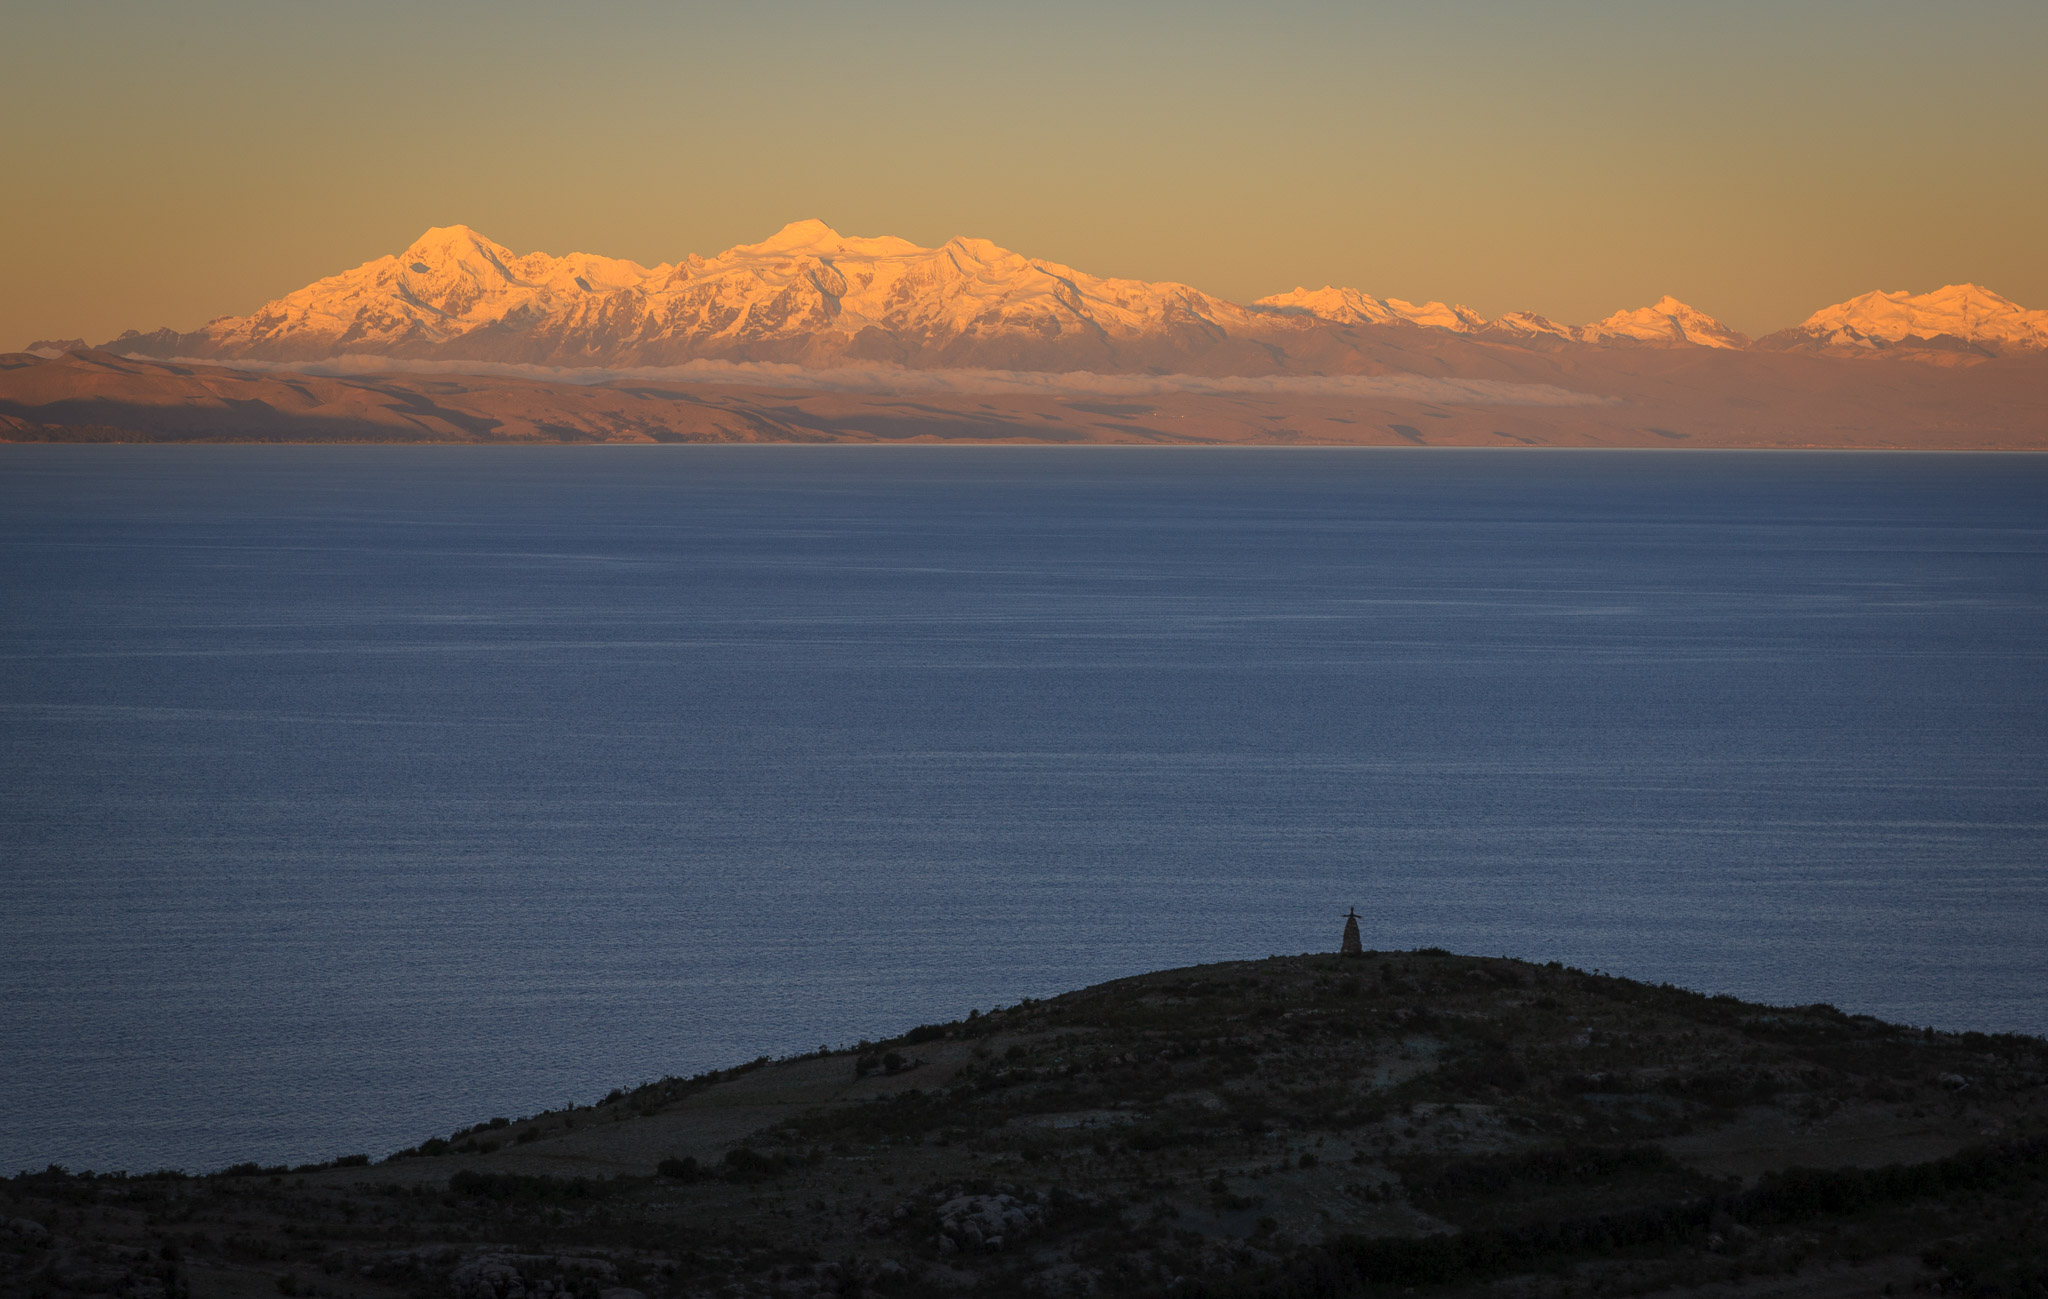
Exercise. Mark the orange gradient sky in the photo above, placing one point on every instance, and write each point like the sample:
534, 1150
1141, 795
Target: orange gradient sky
168, 163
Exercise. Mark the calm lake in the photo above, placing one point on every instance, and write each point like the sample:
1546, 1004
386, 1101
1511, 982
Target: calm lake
349, 795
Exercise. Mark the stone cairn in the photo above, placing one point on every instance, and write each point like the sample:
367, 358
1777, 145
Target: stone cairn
1350, 946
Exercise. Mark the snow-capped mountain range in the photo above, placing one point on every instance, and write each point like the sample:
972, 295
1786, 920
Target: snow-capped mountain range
1959, 314
1668, 322
811, 296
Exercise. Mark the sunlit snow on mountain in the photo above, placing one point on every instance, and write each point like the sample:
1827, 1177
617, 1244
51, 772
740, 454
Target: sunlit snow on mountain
813, 298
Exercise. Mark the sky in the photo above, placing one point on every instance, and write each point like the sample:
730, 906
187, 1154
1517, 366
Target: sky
169, 163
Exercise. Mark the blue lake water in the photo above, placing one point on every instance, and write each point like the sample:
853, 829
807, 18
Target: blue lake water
351, 794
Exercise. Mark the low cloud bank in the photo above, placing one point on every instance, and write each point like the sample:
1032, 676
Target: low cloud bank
888, 380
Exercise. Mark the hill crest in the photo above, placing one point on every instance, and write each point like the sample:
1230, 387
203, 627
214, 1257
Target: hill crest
1296, 1125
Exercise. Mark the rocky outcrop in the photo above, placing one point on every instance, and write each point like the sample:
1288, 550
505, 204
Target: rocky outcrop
984, 1223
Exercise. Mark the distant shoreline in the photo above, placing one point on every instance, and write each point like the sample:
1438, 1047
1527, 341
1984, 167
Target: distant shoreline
1638, 399
967, 447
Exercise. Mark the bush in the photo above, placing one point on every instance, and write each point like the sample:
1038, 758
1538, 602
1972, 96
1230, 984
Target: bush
1435, 1181
516, 1186
744, 1165
1494, 1067
685, 1169
1165, 1135
1344, 1264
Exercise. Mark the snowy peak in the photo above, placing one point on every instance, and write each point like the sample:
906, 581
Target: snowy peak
1339, 306
1530, 324
799, 234
1438, 315
456, 245
813, 238
1351, 307
1968, 315
1667, 322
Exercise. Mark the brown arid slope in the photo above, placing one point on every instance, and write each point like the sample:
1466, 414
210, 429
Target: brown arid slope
1587, 397
1376, 1124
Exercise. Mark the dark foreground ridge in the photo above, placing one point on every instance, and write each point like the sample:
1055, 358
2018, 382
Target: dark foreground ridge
1384, 1124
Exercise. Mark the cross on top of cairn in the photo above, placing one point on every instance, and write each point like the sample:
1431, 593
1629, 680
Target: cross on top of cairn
1351, 945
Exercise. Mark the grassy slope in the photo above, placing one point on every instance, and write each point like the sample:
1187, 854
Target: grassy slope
1302, 1125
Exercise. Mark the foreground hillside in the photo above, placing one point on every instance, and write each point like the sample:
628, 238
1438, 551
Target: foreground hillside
1446, 391
1392, 1123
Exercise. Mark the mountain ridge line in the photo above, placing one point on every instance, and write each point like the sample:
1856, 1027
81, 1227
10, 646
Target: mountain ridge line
811, 296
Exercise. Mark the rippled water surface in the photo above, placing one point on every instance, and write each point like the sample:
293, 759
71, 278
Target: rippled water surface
351, 794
